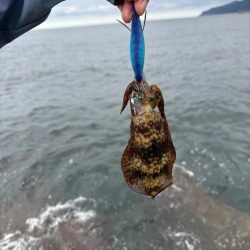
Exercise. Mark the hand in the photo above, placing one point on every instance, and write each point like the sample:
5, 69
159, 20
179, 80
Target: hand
126, 8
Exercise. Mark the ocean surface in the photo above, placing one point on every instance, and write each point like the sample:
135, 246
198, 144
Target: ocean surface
62, 137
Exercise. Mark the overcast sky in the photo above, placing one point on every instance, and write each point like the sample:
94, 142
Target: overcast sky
85, 12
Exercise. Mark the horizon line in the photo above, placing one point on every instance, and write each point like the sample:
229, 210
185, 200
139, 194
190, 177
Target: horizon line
61, 24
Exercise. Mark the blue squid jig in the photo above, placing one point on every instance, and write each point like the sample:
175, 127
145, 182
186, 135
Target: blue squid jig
137, 47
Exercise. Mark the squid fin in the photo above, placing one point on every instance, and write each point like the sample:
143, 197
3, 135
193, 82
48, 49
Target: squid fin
160, 99
127, 94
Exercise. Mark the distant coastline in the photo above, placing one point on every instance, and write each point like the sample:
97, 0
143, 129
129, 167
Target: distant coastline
234, 7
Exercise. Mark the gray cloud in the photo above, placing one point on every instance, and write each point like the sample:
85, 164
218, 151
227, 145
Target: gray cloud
102, 7
80, 12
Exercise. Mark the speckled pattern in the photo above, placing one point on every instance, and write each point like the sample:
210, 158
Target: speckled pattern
147, 161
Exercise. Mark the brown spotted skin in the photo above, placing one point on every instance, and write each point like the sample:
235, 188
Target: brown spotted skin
147, 161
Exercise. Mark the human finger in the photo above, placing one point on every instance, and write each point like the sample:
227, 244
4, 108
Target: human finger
126, 11
140, 6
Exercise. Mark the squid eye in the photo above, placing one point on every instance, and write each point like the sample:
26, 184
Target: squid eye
153, 88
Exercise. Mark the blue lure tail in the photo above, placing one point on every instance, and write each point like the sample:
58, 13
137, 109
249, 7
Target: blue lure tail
137, 47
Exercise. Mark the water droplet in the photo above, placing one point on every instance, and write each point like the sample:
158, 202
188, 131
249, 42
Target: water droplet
204, 151
222, 164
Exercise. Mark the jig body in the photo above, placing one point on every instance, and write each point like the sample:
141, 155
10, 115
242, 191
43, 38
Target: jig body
137, 46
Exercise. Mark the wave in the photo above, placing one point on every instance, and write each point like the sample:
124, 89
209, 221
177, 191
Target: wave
69, 225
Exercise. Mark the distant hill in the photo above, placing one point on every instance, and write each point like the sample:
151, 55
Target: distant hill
234, 7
